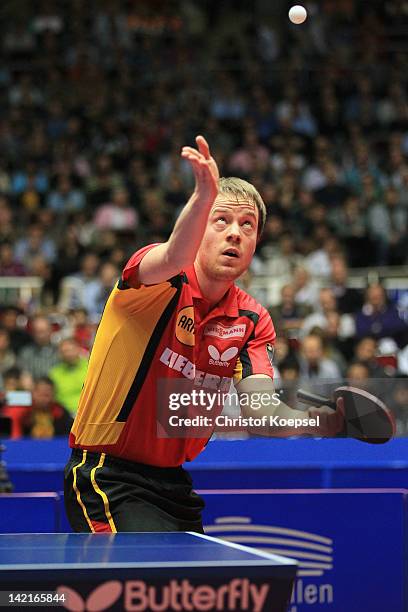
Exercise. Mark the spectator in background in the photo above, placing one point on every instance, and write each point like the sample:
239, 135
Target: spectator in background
65, 198
46, 418
108, 276
348, 300
35, 244
9, 265
103, 180
358, 374
388, 225
330, 349
313, 364
283, 258
79, 290
40, 355
289, 315
68, 374
117, 215
327, 306
366, 352
251, 156
380, 319
9, 318
70, 251
350, 225
12, 379
307, 292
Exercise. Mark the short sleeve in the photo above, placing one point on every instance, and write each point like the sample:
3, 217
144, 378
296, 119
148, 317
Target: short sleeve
129, 274
257, 353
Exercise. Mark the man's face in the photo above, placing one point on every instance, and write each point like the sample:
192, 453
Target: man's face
230, 238
366, 349
375, 296
41, 331
312, 349
43, 395
327, 300
69, 351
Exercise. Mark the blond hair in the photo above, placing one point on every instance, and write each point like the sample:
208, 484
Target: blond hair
241, 189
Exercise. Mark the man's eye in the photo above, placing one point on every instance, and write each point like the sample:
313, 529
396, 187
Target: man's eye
221, 219
248, 223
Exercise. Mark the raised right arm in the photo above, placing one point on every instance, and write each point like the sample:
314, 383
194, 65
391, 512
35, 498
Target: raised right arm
168, 259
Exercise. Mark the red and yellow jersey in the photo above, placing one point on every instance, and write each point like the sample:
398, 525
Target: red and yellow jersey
154, 333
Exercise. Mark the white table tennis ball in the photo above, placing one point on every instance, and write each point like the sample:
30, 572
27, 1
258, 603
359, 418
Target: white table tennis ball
297, 14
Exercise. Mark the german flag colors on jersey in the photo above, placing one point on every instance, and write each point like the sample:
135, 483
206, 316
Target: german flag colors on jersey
154, 333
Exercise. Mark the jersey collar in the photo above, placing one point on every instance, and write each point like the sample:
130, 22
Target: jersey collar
228, 304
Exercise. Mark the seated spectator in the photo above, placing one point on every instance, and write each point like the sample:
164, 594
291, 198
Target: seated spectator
40, 355
289, 315
12, 379
35, 243
327, 306
108, 275
284, 352
19, 337
358, 372
330, 350
79, 290
348, 300
102, 180
9, 264
68, 374
388, 224
339, 334
46, 418
252, 155
281, 259
366, 352
380, 319
65, 198
313, 363
117, 215
317, 261
306, 289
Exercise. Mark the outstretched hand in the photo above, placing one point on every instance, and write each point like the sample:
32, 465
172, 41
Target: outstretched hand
205, 169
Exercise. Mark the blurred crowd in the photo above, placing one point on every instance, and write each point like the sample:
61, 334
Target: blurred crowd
97, 99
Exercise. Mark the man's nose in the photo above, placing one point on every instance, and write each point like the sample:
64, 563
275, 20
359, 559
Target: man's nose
234, 232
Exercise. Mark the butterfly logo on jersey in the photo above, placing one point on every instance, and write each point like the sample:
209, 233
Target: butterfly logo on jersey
222, 359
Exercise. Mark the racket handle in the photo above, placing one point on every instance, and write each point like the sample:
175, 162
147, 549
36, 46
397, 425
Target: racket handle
314, 399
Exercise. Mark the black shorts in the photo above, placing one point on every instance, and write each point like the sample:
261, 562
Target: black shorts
104, 493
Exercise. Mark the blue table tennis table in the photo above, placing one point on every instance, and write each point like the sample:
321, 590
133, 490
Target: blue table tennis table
144, 571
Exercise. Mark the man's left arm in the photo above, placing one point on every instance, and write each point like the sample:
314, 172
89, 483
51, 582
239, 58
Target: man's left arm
258, 398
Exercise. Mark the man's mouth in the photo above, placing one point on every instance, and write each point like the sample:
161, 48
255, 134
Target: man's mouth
231, 253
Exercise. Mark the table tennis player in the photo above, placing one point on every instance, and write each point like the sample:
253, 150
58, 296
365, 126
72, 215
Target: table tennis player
175, 313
